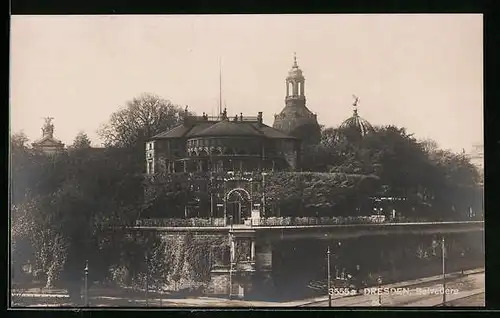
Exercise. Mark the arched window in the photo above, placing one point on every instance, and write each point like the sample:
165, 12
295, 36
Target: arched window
202, 153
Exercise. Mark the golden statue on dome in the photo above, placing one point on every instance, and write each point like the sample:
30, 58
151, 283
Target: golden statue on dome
356, 100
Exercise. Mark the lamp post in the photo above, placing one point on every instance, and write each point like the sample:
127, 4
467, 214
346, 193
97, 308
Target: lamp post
444, 270
86, 290
328, 276
231, 258
379, 281
147, 279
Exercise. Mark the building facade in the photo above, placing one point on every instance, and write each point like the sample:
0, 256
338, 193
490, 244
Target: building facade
224, 161
48, 144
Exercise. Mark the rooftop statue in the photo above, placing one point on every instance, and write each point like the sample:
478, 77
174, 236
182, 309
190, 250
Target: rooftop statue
48, 128
356, 100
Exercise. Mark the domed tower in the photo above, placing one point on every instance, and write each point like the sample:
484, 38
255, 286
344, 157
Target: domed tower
355, 127
296, 119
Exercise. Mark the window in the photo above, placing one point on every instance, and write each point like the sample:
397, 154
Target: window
150, 167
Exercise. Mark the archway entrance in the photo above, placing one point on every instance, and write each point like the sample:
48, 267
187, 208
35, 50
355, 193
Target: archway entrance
238, 203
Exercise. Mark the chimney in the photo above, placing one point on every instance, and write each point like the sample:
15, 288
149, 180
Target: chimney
259, 117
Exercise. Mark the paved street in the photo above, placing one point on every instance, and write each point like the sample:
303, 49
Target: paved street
465, 291
468, 288
472, 301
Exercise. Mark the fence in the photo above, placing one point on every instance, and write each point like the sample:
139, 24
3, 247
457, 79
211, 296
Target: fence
311, 221
190, 222
278, 221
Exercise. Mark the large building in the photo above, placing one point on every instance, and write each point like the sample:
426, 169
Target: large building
48, 144
225, 159
476, 156
214, 144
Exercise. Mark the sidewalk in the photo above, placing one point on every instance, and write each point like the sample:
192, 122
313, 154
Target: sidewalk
394, 285
449, 298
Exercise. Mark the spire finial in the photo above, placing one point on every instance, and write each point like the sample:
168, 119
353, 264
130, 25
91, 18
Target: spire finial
294, 59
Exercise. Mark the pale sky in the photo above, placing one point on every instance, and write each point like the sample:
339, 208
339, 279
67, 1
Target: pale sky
422, 72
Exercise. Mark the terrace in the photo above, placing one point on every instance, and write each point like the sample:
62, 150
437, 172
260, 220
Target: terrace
284, 221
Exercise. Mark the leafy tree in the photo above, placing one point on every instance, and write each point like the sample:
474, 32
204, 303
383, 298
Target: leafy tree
309, 194
432, 180
72, 204
81, 141
456, 184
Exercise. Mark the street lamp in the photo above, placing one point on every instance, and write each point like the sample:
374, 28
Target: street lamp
379, 282
86, 290
328, 276
231, 259
147, 279
444, 270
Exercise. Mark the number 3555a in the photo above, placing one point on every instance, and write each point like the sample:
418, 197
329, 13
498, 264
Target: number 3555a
340, 291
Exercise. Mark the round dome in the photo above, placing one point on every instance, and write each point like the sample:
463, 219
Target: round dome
356, 124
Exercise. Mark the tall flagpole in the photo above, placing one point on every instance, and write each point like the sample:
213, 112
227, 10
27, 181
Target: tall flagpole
220, 87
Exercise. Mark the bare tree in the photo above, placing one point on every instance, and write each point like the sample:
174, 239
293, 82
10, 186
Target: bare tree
141, 118
429, 146
19, 140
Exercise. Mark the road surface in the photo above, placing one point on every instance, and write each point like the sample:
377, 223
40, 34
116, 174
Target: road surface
465, 291
462, 291
477, 300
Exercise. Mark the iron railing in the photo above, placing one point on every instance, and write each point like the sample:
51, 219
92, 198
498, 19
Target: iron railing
284, 221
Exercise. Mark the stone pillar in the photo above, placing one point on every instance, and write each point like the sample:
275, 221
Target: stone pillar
252, 251
263, 285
